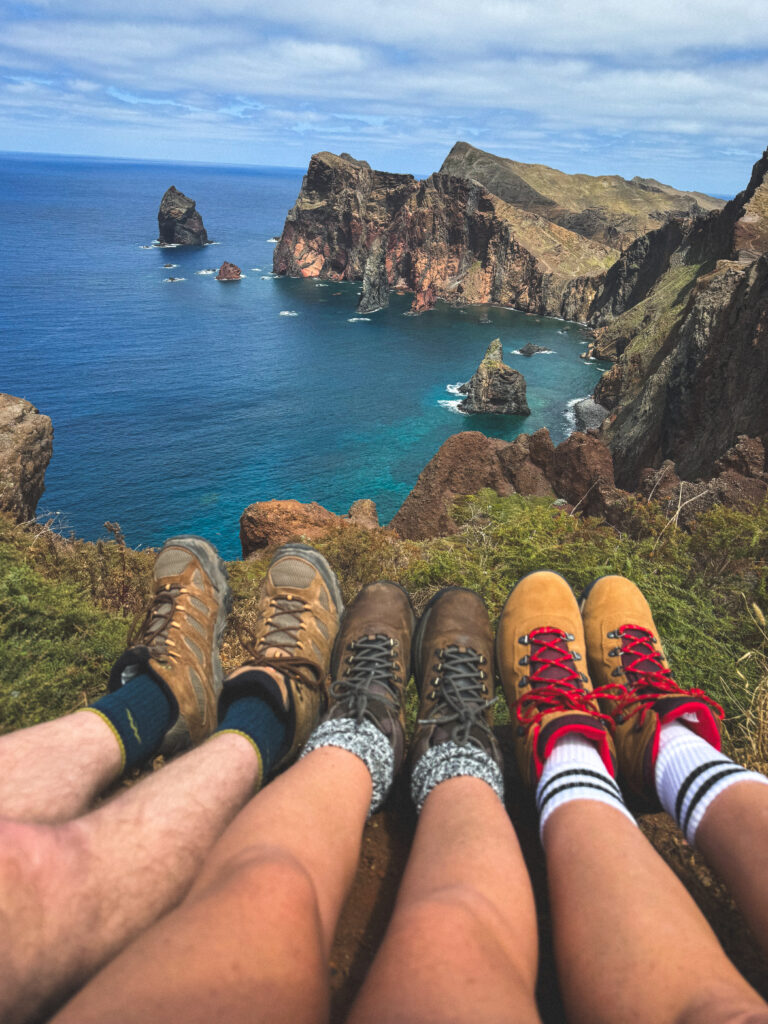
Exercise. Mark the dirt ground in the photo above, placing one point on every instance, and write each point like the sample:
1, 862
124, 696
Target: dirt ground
386, 843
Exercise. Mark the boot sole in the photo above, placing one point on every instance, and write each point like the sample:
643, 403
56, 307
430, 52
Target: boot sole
178, 736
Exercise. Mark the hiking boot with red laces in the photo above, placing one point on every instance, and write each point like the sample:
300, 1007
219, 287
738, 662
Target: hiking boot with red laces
178, 641
634, 682
371, 662
453, 666
298, 615
540, 652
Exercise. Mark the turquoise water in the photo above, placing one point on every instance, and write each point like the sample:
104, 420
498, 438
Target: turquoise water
175, 405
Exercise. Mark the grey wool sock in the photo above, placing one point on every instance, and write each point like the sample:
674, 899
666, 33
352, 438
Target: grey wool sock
365, 741
449, 761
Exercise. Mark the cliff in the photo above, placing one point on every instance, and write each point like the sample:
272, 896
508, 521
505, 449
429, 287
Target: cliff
683, 312
26, 444
443, 238
495, 387
178, 222
607, 208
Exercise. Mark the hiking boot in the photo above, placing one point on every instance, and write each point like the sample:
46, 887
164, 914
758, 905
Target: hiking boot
540, 651
453, 666
372, 662
178, 642
634, 681
297, 620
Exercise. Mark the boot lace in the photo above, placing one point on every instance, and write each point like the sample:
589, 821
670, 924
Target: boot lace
284, 625
647, 676
369, 674
556, 684
155, 627
459, 685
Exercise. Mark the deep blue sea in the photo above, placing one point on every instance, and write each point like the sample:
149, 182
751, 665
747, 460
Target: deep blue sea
175, 405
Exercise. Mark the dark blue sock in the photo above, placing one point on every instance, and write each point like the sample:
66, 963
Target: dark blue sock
244, 709
139, 713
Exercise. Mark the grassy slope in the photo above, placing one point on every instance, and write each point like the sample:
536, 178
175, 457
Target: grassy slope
65, 606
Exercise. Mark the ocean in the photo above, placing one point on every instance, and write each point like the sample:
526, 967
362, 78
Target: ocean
177, 404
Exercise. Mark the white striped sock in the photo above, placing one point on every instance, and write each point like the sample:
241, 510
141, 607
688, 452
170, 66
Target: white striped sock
690, 773
574, 770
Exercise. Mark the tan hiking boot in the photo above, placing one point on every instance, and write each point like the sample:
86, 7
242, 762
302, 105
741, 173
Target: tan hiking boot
178, 641
540, 652
298, 617
453, 665
634, 681
372, 662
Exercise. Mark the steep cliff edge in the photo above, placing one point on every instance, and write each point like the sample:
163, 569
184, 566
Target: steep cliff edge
683, 309
442, 238
26, 444
607, 208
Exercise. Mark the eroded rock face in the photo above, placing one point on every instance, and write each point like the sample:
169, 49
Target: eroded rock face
229, 272
589, 414
178, 222
271, 523
26, 444
443, 238
495, 387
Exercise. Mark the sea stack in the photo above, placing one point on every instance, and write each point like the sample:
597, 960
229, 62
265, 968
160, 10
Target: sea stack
178, 222
229, 272
26, 443
495, 387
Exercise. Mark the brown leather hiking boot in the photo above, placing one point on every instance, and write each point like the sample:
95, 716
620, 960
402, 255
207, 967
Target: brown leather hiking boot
540, 651
298, 617
453, 665
178, 641
634, 681
371, 662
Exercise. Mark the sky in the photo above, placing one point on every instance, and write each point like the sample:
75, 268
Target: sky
671, 89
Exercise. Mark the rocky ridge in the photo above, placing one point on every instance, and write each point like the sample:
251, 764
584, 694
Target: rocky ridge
26, 444
495, 387
178, 222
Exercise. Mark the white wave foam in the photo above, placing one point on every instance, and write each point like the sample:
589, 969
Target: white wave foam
569, 413
148, 246
206, 271
455, 389
213, 243
452, 404
273, 239
170, 266
173, 280
544, 352
167, 245
288, 312
358, 319
256, 270
318, 284
267, 277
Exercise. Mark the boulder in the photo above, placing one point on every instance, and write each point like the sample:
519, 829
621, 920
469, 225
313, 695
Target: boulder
229, 272
178, 222
527, 463
271, 523
589, 414
530, 349
495, 387
26, 444
464, 464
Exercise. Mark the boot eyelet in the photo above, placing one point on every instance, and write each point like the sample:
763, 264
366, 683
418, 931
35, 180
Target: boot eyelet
576, 656
617, 672
523, 639
524, 660
612, 635
614, 652
619, 719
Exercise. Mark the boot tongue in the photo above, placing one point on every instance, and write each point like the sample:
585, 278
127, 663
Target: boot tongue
550, 665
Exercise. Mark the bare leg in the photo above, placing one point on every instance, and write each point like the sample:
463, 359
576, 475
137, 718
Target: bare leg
462, 944
252, 939
631, 945
54, 771
72, 895
733, 838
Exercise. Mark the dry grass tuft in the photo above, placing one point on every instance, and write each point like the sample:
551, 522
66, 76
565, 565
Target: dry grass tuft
747, 736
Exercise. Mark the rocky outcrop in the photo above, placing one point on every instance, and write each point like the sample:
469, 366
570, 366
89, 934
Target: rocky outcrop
270, 523
608, 208
530, 349
495, 387
444, 238
229, 272
26, 443
589, 414
375, 293
580, 470
178, 222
